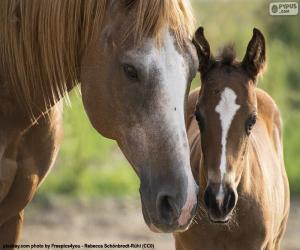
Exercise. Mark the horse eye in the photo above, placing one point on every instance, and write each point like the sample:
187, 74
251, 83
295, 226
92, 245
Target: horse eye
200, 120
250, 123
130, 72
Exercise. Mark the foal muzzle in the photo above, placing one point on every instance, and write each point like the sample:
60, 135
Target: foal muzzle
220, 202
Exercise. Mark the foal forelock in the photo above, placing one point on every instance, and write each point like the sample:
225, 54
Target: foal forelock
226, 109
41, 42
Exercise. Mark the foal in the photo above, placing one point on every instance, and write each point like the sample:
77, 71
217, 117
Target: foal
236, 154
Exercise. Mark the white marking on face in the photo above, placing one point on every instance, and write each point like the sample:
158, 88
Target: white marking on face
226, 109
220, 196
172, 73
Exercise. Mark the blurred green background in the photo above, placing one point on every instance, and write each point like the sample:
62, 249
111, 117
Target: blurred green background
91, 166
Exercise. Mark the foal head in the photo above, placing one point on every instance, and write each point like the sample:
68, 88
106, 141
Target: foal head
226, 112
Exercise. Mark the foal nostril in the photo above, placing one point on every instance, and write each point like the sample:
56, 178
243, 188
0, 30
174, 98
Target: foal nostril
219, 207
167, 209
229, 201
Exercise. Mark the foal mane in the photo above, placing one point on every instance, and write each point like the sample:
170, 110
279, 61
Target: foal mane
42, 41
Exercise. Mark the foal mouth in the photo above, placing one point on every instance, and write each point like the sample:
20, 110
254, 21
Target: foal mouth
220, 221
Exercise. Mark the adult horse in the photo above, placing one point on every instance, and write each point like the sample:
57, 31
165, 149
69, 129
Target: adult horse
236, 154
134, 61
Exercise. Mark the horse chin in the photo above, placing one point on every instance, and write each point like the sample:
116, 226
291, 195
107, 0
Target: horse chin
158, 228
154, 229
183, 228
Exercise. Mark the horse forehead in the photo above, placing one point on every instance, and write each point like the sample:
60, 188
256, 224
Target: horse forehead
164, 57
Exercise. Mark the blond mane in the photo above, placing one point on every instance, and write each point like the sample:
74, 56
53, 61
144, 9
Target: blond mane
153, 15
41, 41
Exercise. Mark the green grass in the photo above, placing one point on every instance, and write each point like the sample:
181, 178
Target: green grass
90, 165
291, 150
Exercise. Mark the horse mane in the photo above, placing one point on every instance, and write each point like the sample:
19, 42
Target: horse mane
153, 15
42, 41
40, 46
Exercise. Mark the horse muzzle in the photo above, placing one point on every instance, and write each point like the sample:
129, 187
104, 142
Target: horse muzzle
169, 213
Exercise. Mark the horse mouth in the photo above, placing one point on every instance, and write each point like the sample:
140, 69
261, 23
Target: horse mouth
158, 227
178, 229
182, 229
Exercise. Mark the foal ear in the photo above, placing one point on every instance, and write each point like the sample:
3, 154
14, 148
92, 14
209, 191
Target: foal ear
255, 58
203, 50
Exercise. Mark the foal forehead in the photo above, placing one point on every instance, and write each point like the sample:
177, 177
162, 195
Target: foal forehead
227, 105
233, 78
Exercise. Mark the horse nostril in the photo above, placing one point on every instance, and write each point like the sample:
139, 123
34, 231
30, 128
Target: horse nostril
229, 202
167, 210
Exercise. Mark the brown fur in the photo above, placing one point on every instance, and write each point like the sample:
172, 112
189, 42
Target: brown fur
34, 151
259, 221
41, 48
254, 162
42, 41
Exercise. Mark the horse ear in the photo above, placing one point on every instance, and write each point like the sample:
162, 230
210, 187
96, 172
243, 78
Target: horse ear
203, 50
255, 57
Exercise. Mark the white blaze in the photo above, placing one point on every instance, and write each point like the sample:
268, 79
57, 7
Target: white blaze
174, 74
173, 82
226, 109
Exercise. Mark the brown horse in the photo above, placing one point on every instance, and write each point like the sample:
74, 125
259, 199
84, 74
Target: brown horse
134, 60
236, 154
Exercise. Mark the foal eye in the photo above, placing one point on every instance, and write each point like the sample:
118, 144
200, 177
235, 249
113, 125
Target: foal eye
250, 123
130, 71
